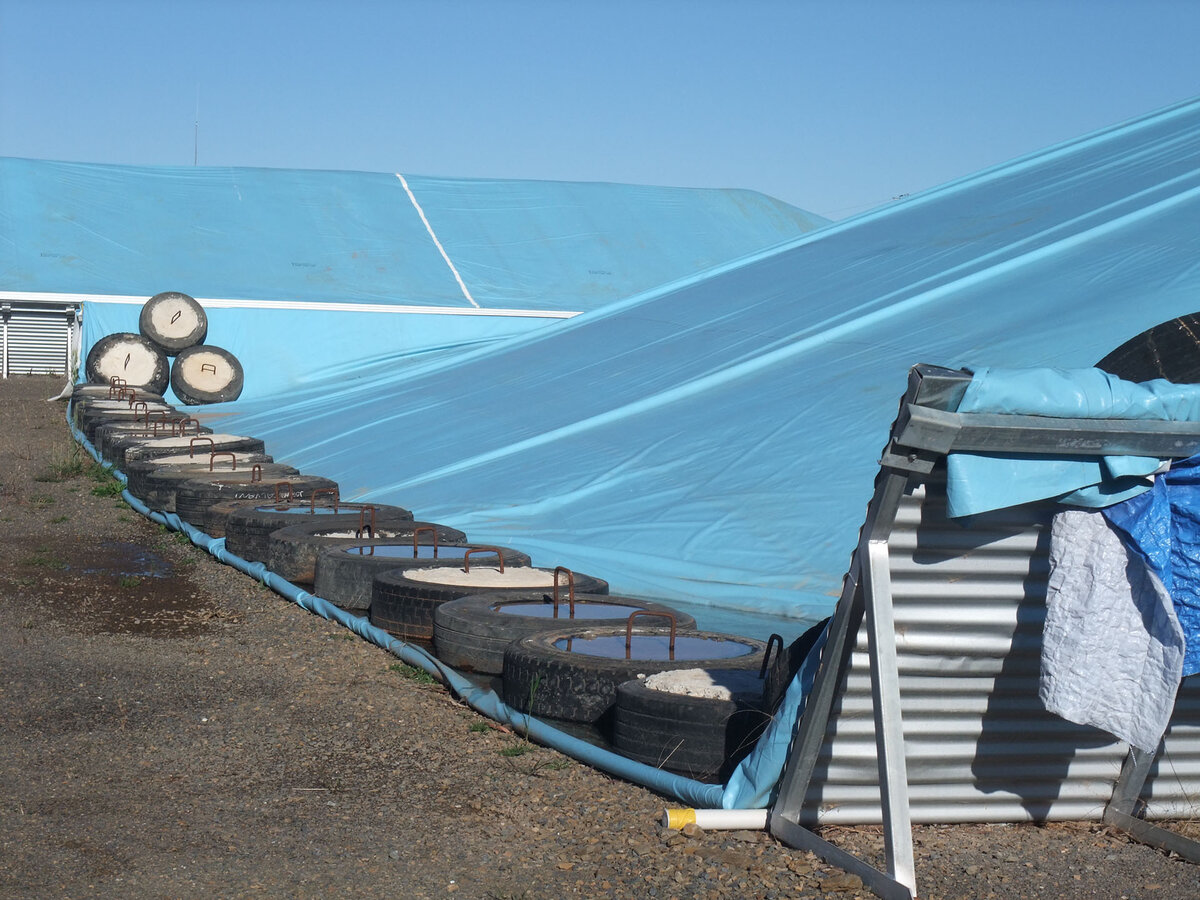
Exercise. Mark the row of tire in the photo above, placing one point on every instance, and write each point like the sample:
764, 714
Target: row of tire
562, 647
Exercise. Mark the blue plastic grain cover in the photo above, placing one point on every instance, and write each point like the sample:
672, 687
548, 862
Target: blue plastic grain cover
714, 439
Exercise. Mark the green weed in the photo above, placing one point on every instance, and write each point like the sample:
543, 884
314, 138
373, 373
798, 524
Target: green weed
517, 749
58, 520
412, 673
478, 727
44, 558
128, 581
108, 488
66, 465
41, 501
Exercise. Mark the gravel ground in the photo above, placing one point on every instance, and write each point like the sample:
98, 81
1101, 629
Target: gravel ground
172, 729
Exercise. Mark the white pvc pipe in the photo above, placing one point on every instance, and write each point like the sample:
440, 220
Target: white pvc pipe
716, 819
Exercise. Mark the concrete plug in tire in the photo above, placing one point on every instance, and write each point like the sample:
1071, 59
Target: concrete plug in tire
248, 529
293, 551
114, 439
345, 575
471, 633
173, 322
695, 722
135, 360
160, 486
133, 449
574, 674
404, 601
207, 502
206, 374
142, 473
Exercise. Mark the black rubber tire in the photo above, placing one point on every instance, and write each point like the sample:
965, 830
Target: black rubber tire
700, 737
129, 450
1169, 350
141, 472
87, 391
89, 424
206, 502
544, 681
159, 487
783, 668
405, 606
248, 528
130, 356
90, 414
173, 322
107, 438
206, 374
471, 633
345, 577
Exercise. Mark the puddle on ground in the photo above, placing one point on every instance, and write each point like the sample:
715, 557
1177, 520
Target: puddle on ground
125, 560
118, 588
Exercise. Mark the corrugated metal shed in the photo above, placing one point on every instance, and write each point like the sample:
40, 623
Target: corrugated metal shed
969, 604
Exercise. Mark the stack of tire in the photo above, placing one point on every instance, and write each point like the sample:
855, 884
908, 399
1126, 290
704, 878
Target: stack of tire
174, 326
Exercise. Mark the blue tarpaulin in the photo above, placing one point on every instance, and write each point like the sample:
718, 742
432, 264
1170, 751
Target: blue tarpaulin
714, 439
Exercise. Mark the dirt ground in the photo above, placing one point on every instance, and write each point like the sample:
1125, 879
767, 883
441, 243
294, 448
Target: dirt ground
171, 729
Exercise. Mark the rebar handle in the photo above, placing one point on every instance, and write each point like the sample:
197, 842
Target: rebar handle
773, 641
655, 614
416, 537
212, 459
212, 445
496, 550
570, 590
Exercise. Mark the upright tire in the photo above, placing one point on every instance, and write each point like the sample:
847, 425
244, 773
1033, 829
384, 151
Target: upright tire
206, 374
544, 678
700, 737
128, 356
173, 322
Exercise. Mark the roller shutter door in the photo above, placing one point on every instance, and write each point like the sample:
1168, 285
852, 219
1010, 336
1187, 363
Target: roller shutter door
36, 341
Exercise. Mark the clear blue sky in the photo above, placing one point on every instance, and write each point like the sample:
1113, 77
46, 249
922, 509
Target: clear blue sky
835, 107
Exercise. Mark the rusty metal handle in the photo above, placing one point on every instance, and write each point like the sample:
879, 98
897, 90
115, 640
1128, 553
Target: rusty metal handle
212, 459
212, 445
115, 380
775, 640
145, 410
257, 470
363, 525
416, 538
571, 590
496, 550
129, 394
208, 367
662, 614
312, 499
175, 318
183, 424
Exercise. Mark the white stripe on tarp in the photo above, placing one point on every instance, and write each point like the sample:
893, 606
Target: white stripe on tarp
319, 305
436, 242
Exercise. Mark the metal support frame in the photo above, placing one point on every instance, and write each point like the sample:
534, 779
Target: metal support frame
920, 435
865, 593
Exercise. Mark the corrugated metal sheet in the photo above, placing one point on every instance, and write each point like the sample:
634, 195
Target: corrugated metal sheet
969, 604
36, 339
